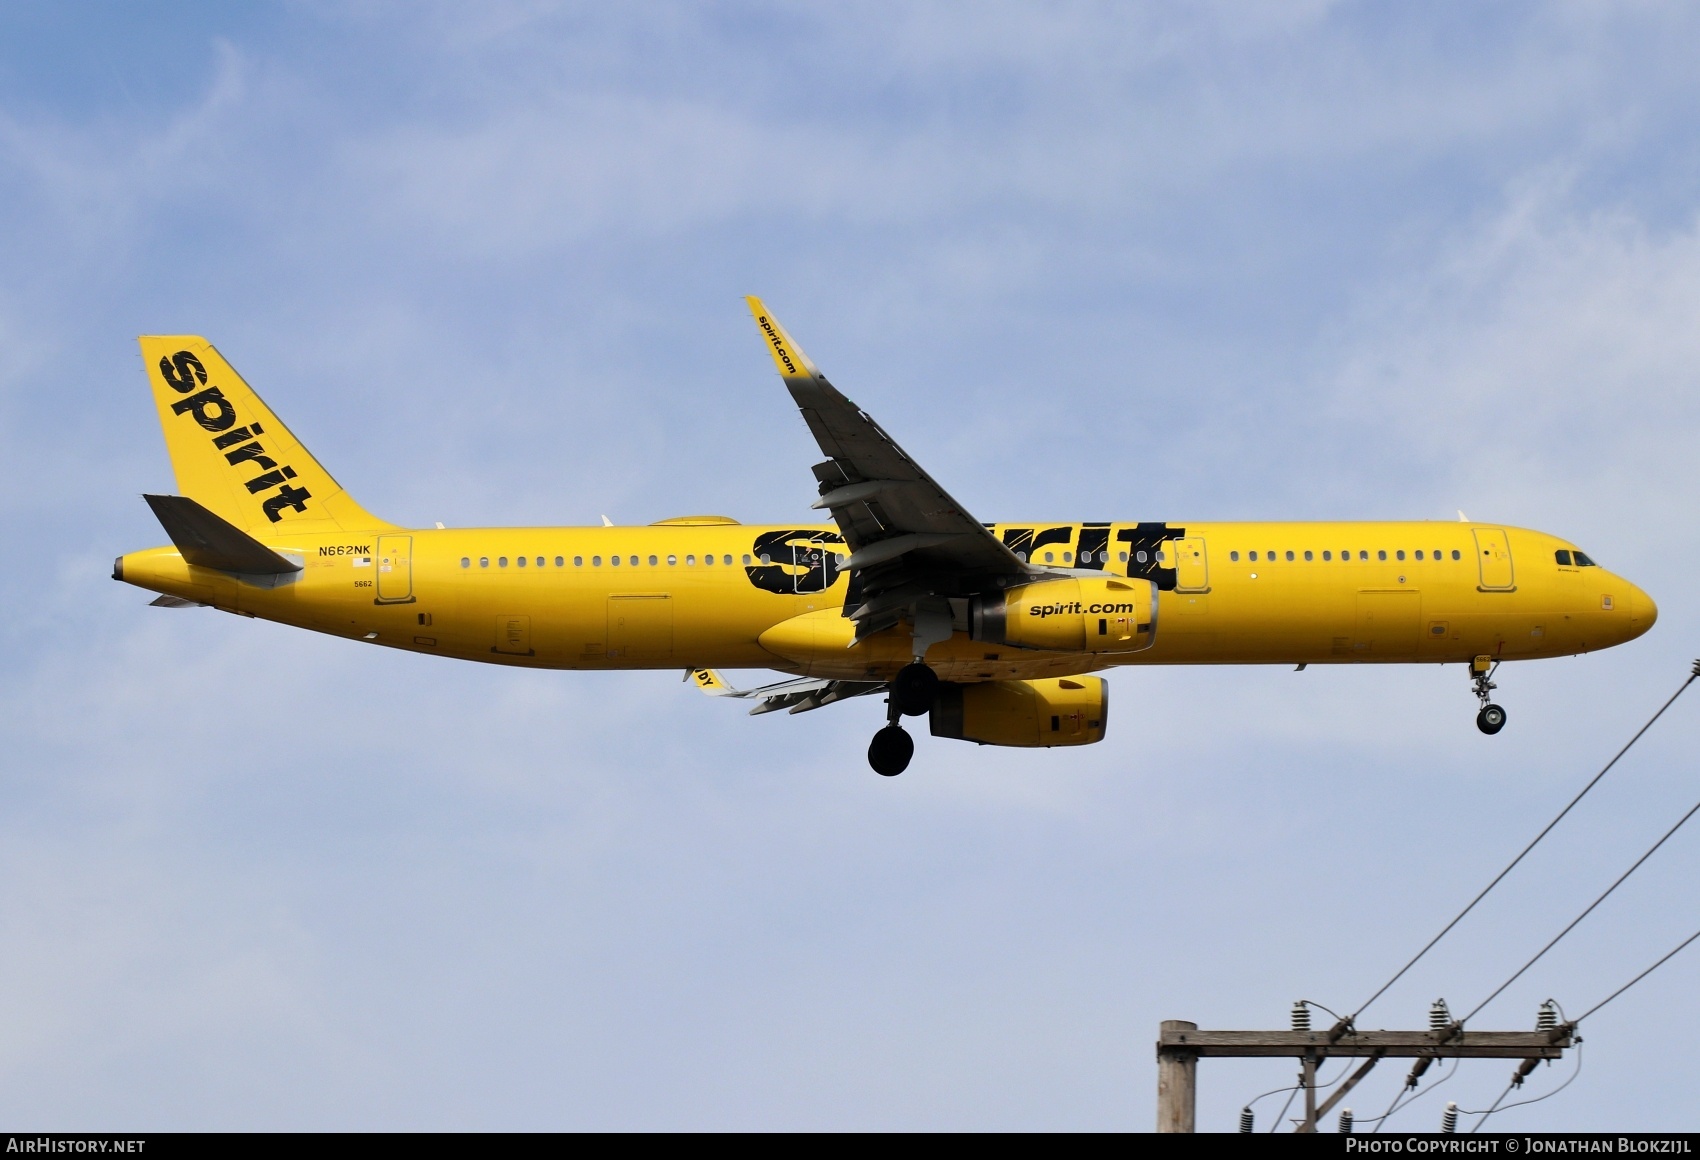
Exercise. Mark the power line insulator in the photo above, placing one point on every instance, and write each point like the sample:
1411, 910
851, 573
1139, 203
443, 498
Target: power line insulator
1417, 1070
1246, 1120
1439, 1017
1346, 1121
1547, 1020
1449, 1121
1301, 1016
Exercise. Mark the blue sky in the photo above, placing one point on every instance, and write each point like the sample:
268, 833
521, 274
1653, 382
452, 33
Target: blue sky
1086, 262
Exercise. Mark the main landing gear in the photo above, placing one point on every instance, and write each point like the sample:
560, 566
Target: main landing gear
1491, 719
912, 694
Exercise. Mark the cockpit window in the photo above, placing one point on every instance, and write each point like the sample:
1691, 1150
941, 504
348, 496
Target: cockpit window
1563, 556
1582, 561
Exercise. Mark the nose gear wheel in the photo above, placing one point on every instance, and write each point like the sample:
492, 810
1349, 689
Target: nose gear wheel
1491, 718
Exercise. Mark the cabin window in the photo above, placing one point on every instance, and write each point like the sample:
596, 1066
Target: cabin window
1362, 555
483, 561
1563, 556
578, 561
691, 561
708, 559
560, 561
540, 561
672, 560
614, 561
465, 562
1381, 554
1456, 555
1437, 553
1400, 555
1234, 556
1162, 556
1582, 561
746, 557
501, 561
596, 561
727, 560
1049, 558
1308, 557
634, 561
1142, 557
766, 559
1289, 555
1068, 557
1270, 556
1419, 553
653, 561
521, 561
1252, 556
1328, 555
1121, 557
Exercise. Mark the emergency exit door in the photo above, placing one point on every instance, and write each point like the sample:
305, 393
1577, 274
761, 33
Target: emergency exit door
395, 570
1192, 565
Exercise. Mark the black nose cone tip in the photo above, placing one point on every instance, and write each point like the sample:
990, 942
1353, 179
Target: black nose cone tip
118, 568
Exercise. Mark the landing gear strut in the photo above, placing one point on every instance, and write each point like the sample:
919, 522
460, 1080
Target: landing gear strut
1491, 719
912, 694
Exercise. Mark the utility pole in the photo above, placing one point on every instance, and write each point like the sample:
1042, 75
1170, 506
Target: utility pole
1177, 1079
1180, 1045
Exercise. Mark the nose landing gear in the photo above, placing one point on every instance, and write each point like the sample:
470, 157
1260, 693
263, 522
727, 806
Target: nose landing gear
1491, 718
912, 694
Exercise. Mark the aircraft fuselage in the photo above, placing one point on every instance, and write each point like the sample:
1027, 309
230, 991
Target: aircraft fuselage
739, 596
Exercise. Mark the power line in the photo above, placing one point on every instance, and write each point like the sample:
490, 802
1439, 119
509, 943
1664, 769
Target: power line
1671, 955
1576, 1071
1694, 674
1573, 922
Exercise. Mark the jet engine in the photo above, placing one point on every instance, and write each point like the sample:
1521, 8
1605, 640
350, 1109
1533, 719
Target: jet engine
1112, 614
1029, 714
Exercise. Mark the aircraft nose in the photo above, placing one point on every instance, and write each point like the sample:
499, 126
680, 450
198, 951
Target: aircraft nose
1642, 611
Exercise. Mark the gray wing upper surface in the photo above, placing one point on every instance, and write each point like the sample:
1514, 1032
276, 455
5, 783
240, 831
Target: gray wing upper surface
908, 539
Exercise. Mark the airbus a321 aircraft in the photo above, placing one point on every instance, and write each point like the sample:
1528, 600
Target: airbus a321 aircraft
993, 631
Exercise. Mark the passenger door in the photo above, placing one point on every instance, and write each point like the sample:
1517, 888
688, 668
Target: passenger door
1493, 557
395, 570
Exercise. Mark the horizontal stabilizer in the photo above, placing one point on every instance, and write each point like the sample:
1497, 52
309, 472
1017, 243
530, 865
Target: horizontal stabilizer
210, 542
173, 602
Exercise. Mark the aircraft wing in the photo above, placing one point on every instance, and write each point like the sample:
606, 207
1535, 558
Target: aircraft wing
798, 696
909, 540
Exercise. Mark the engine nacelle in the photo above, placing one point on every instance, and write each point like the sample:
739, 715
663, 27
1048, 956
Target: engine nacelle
1110, 615
1030, 714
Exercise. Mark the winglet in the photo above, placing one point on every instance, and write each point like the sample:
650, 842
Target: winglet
788, 357
712, 683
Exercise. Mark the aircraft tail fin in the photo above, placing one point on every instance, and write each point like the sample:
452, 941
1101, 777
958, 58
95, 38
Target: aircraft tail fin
232, 455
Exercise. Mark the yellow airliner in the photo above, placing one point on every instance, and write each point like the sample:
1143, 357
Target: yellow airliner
992, 630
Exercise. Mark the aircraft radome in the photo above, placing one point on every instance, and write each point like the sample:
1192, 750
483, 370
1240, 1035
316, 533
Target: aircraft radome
994, 631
